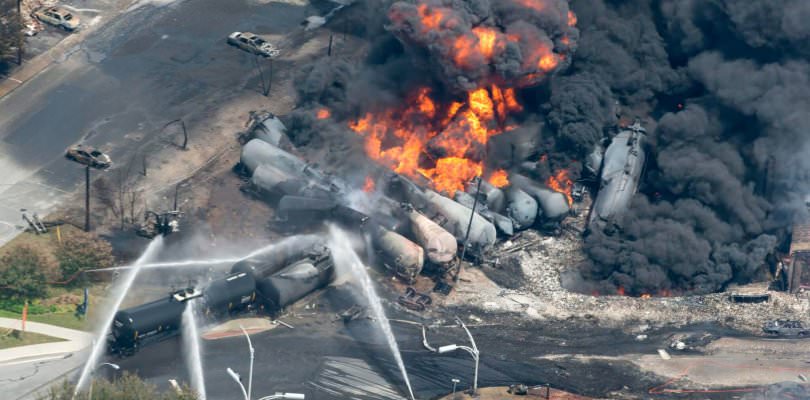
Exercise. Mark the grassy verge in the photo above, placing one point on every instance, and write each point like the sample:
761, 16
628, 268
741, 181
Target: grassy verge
61, 300
13, 338
63, 319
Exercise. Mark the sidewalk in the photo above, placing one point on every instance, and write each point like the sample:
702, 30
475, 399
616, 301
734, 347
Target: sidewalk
34, 66
74, 341
37, 64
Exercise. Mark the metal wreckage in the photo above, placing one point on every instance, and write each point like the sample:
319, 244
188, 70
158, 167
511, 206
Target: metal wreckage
413, 228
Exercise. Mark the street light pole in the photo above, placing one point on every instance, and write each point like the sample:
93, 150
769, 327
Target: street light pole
453, 347
250, 376
235, 377
475, 349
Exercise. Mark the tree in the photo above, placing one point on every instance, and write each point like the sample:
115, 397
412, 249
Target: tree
11, 29
127, 387
120, 194
22, 274
82, 251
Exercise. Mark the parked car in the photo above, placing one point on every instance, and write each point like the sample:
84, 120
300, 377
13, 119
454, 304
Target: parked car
58, 16
786, 328
252, 43
88, 155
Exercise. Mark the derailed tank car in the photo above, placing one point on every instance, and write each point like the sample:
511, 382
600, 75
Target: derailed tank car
295, 281
623, 164
147, 323
234, 293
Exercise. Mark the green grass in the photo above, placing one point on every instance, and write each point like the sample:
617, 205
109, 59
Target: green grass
63, 319
13, 338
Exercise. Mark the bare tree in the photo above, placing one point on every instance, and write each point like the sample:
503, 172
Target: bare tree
11, 30
119, 193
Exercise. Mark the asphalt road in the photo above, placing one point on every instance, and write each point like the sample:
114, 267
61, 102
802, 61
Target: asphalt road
157, 62
326, 358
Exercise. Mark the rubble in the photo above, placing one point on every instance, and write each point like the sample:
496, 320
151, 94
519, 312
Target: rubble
545, 259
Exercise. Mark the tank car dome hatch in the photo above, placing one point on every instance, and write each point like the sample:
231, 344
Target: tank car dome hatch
186, 294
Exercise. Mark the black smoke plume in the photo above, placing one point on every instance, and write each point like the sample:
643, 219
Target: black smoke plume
726, 176
720, 86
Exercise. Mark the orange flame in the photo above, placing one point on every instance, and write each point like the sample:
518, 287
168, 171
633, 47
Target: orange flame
451, 138
560, 182
548, 62
620, 291
536, 5
323, 113
499, 178
368, 186
646, 296
572, 18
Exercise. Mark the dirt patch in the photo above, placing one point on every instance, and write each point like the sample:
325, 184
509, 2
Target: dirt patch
535, 393
234, 328
507, 272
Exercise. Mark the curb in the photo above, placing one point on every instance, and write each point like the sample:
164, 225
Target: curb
34, 67
23, 353
40, 63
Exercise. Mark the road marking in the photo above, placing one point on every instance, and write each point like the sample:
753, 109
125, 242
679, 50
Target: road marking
33, 360
14, 79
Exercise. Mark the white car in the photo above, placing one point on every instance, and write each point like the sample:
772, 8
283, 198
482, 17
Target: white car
58, 16
253, 43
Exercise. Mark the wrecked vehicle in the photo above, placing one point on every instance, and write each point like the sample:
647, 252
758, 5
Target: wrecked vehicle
59, 17
265, 126
400, 255
450, 215
786, 328
89, 156
414, 300
252, 43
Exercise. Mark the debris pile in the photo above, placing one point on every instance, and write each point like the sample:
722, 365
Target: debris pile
545, 262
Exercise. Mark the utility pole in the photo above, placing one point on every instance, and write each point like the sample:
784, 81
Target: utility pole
265, 87
469, 225
87, 198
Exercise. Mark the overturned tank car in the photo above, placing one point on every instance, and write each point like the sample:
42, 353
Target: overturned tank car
623, 164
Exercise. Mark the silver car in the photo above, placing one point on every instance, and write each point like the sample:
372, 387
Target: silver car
252, 43
58, 16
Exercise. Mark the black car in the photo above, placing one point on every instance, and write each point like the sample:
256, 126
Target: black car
786, 328
88, 155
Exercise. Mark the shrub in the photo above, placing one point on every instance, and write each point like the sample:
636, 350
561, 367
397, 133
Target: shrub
127, 387
21, 275
82, 251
